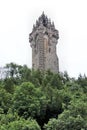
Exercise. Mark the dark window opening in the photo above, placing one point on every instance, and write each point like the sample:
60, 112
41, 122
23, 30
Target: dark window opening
33, 65
46, 33
49, 50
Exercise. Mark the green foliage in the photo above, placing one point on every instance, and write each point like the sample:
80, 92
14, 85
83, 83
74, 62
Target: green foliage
54, 80
37, 77
23, 124
55, 101
25, 100
24, 73
9, 85
17, 73
66, 122
82, 81
52, 124
14, 122
5, 100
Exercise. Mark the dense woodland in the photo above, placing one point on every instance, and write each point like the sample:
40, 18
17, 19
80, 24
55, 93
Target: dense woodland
36, 100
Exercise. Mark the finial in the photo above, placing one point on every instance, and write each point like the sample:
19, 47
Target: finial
43, 15
49, 23
34, 27
53, 24
49, 20
37, 23
43, 12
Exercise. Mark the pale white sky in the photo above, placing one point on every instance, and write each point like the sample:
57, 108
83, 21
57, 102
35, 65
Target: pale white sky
70, 17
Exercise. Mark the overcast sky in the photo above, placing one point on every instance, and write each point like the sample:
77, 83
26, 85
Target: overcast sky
70, 17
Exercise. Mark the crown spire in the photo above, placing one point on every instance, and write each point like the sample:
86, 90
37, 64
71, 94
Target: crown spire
45, 21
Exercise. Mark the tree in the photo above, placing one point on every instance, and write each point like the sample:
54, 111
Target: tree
17, 73
12, 69
24, 73
25, 100
23, 124
82, 81
9, 85
14, 122
66, 122
5, 100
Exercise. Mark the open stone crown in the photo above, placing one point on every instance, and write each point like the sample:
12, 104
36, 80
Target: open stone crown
45, 24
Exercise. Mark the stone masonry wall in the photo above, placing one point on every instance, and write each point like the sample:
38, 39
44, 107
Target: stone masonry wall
43, 39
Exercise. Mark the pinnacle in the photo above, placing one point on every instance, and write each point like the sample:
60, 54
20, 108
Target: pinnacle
45, 21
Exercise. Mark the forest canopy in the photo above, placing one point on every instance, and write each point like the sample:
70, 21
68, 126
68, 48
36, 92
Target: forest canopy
35, 100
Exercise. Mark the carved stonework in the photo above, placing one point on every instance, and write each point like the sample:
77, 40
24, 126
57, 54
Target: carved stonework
43, 40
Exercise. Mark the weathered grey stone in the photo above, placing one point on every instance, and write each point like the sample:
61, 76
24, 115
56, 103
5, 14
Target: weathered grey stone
43, 40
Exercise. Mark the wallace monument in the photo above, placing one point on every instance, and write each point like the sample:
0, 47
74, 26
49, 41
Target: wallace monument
43, 40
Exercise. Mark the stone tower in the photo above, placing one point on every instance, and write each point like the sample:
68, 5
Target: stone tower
43, 40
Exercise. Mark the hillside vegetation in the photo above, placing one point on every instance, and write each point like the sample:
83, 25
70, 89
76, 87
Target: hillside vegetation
35, 100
